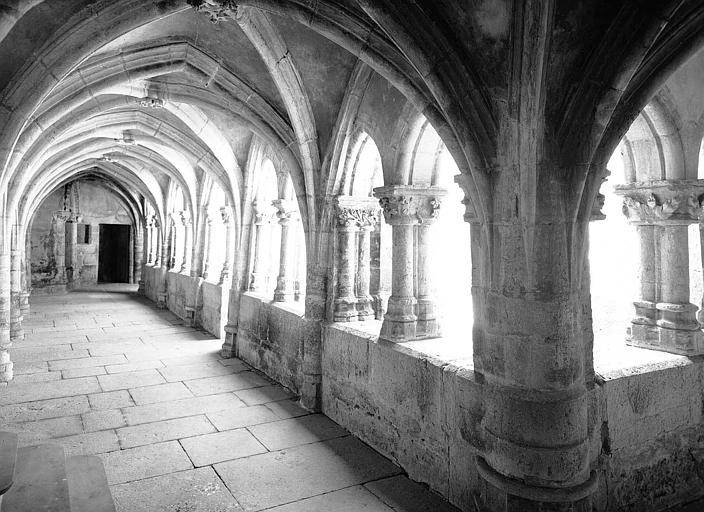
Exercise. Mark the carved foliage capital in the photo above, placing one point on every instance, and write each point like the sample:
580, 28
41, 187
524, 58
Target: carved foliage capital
409, 209
225, 214
185, 217
349, 217
218, 10
61, 215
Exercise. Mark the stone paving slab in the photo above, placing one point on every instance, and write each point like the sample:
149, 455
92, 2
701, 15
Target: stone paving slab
103, 420
86, 362
160, 393
352, 499
130, 380
224, 383
181, 408
198, 490
157, 432
16, 393
136, 410
400, 493
144, 462
43, 409
263, 395
110, 400
276, 478
89, 443
221, 446
241, 417
297, 431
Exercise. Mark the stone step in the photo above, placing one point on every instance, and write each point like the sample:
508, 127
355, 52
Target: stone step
88, 485
8, 459
40, 481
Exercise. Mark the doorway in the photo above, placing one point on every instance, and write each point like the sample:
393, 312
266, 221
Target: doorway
114, 254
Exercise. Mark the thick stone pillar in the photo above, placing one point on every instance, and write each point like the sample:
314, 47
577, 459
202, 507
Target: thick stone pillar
662, 210
187, 242
226, 216
347, 226
5, 306
71, 241
263, 215
428, 325
532, 353
59, 224
403, 206
16, 318
287, 215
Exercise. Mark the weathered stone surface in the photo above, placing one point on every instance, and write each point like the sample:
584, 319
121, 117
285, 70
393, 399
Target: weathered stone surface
209, 449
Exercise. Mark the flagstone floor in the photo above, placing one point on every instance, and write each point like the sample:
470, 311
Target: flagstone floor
179, 429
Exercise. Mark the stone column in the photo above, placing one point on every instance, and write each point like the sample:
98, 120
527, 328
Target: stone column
206, 245
263, 214
59, 221
138, 260
347, 226
661, 211
227, 265
149, 237
187, 242
286, 279
162, 292
26, 276
156, 242
5, 340
200, 252
172, 246
16, 329
428, 325
71, 240
369, 216
403, 207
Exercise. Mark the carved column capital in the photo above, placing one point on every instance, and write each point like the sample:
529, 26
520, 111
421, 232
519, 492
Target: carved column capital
362, 212
225, 215
263, 212
285, 210
218, 10
669, 202
185, 217
61, 215
409, 204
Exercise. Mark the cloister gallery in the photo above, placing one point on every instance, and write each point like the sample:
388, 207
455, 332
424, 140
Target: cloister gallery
466, 233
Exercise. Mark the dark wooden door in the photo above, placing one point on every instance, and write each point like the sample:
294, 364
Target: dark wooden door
114, 254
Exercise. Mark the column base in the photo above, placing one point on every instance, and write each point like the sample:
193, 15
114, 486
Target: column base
400, 320
161, 301
428, 325
140, 287
675, 341
504, 494
365, 308
24, 304
284, 291
229, 347
346, 310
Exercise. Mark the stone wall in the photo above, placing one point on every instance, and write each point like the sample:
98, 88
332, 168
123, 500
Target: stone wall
271, 337
653, 437
51, 271
420, 412
206, 298
427, 415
